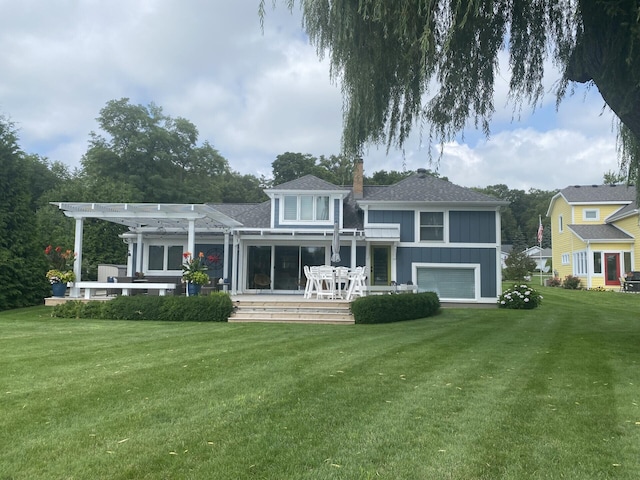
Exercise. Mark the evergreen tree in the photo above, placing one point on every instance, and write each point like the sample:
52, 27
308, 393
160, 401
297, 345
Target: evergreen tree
22, 261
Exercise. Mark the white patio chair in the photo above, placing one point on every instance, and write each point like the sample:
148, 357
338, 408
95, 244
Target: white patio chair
342, 280
356, 283
326, 282
310, 285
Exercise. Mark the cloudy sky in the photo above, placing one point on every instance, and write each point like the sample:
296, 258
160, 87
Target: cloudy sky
252, 94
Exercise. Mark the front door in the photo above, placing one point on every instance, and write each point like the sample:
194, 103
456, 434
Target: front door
612, 269
380, 265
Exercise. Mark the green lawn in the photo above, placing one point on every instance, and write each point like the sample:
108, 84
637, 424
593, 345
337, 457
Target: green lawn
468, 394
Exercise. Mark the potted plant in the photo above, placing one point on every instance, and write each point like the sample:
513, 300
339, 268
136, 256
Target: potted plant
193, 272
59, 274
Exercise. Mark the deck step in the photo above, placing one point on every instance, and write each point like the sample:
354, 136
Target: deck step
301, 311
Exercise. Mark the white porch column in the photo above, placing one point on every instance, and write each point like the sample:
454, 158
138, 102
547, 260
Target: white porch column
77, 264
139, 250
130, 271
353, 252
225, 258
191, 240
234, 265
394, 262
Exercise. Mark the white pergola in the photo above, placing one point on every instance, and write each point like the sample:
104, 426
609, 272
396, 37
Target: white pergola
149, 218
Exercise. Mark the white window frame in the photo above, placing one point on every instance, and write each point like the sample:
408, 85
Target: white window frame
593, 259
314, 216
166, 245
580, 263
445, 228
565, 259
560, 224
591, 215
471, 266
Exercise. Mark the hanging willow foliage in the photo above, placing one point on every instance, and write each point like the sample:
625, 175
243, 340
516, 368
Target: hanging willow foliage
433, 63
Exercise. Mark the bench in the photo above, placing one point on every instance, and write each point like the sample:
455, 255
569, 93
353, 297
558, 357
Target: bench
91, 287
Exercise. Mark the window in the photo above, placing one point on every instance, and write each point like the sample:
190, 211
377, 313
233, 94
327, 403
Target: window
580, 263
431, 226
455, 282
565, 259
626, 256
164, 257
560, 225
305, 208
591, 215
597, 262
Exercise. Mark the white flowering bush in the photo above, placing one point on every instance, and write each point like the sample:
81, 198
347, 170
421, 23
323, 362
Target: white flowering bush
520, 297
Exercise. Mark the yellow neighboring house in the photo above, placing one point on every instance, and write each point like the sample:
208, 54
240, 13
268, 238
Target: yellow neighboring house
595, 234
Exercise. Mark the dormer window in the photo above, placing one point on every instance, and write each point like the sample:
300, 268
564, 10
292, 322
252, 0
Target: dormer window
301, 208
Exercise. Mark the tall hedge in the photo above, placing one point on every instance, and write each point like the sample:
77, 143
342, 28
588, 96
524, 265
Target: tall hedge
394, 308
22, 261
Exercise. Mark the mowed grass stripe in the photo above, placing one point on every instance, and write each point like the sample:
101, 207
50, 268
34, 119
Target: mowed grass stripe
466, 394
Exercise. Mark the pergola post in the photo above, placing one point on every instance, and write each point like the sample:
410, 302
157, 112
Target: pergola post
139, 251
77, 248
191, 239
225, 258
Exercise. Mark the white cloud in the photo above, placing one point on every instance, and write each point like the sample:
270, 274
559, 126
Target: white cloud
252, 94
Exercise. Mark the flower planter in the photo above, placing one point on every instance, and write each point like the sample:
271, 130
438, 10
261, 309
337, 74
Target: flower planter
193, 289
59, 289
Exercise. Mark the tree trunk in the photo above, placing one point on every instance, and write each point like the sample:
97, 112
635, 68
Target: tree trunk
605, 55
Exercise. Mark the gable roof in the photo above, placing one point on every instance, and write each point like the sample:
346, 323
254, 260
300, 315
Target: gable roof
426, 188
595, 194
599, 194
600, 233
308, 182
626, 211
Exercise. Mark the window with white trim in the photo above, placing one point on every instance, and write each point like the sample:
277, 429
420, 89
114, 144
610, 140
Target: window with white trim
164, 258
310, 208
431, 226
580, 263
565, 259
560, 225
591, 215
597, 262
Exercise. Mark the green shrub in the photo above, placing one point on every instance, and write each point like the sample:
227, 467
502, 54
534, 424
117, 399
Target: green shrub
570, 282
69, 309
554, 282
216, 307
521, 297
394, 308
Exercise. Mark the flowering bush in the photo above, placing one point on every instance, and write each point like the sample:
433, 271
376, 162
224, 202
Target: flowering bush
520, 297
59, 259
193, 269
58, 276
570, 282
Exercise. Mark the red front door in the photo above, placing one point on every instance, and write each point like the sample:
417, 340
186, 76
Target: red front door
612, 269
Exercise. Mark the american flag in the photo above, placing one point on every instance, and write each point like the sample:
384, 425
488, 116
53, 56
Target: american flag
540, 229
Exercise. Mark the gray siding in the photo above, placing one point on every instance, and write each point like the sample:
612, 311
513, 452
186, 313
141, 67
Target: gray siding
406, 219
472, 227
486, 257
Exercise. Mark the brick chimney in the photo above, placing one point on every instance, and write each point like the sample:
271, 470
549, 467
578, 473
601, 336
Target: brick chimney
358, 178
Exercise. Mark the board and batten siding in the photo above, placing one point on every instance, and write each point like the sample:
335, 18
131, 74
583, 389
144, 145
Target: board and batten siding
485, 257
403, 217
472, 226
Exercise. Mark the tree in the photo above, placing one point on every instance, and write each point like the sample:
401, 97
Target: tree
22, 260
157, 155
289, 166
389, 54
